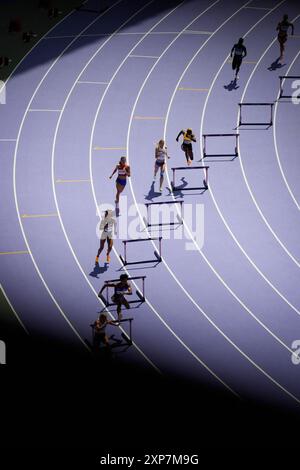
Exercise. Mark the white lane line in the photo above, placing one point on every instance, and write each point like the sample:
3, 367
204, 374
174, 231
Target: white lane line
242, 166
297, 311
13, 310
15, 186
275, 140
191, 237
197, 358
53, 175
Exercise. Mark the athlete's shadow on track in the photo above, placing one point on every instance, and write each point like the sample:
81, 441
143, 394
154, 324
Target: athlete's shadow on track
276, 65
231, 86
98, 270
152, 194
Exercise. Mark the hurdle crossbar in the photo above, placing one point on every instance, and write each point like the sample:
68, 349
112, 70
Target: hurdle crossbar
236, 149
205, 181
282, 79
157, 254
241, 123
161, 224
141, 295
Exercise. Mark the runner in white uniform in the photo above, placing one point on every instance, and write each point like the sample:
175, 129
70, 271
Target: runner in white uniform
108, 226
160, 162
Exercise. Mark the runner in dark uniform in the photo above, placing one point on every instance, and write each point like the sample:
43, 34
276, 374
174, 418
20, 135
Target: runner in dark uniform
282, 28
186, 146
239, 51
99, 331
121, 288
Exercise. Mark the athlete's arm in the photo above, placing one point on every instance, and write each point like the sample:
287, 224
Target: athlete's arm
104, 286
113, 172
292, 26
245, 52
180, 133
232, 50
129, 290
128, 170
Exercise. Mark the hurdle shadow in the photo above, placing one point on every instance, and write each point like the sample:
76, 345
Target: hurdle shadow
106, 355
220, 159
247, 128
152, 194
177, 193
232, 85
98, 270
276, 65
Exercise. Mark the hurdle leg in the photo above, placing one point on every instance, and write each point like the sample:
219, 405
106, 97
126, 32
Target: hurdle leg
205, 181
130, 331
240, 114
271, 123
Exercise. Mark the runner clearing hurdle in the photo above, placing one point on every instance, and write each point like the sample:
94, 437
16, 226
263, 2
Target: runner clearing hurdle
99, 331
186, 146
121, 289
282, 28
160, 162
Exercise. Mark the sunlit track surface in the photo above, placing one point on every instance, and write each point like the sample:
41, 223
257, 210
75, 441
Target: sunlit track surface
251, 358
285, 147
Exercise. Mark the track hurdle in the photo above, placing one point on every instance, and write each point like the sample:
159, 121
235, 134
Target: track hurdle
236, 149
140, 294
157, 254
147, 219
270, 123
126, 337
189, 188
282, 79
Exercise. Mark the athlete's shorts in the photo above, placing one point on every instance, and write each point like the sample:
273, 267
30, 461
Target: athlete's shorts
237, 61
159, 163
117, 298
121, 181
106, 236
187, 148
282, 38
99, 338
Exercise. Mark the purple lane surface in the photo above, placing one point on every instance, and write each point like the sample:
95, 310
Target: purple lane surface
183, 293
288, 138
178, 267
